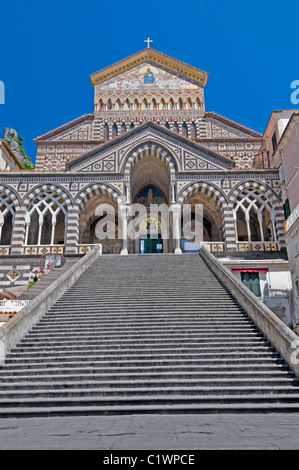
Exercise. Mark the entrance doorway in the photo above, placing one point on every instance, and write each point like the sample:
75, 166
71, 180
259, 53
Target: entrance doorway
151, 245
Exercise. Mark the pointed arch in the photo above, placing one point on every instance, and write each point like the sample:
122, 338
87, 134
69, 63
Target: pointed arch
114, 131
106, 132
197, 103
184, 130
118, 105
149, 149
175, 128
193, 131
163, 104
127, 104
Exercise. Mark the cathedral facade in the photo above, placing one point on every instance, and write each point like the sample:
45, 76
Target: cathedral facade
149, 135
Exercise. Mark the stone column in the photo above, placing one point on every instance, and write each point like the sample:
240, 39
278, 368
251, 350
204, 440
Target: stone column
172, 192
176, 212
229, 229
72, 231
124, 229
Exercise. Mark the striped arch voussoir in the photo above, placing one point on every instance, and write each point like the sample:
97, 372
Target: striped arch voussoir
9, 192
50, 188
203, 188
150, 149
254, 185
95, 190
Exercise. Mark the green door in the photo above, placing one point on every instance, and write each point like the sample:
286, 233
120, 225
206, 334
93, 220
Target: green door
252, 282
151, 245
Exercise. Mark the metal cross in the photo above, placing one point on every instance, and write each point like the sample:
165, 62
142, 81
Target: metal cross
148, 40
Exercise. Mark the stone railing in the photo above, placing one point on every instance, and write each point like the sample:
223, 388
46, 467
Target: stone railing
8, 306
4, 250
42, 249
19, 325
83, 248
258, 246
285, 341
214, 246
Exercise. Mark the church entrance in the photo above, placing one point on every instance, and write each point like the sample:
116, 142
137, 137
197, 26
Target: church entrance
151, 245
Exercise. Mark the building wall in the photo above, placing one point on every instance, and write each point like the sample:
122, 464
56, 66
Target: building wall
291, 168
275, 284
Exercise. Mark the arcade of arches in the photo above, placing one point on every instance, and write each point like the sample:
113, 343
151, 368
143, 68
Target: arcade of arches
250, 218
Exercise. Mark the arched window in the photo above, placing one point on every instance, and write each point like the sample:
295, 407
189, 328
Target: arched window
118, 105
163, 104
106, 132
145, 105
132, 126
114, 131
101, 105
154, 104
189, 103
197, 103
127, 104
123, 128
193, 131
167, 126
180, 103
175, 128
184, 130
254, 217
7, 216
136, 104
109, 105
46, 218
171, 104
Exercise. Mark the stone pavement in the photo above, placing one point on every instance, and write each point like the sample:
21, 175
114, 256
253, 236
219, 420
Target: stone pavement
152, 432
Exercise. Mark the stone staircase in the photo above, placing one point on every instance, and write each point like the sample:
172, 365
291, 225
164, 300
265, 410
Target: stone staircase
145, 334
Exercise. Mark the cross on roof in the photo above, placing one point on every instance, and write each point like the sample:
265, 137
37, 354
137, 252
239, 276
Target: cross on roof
148, 40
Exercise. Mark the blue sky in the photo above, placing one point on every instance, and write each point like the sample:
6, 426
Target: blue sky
48, 50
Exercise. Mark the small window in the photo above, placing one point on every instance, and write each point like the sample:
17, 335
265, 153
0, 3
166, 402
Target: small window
281, 174
287, 210
274, 141
252, 282
297, 287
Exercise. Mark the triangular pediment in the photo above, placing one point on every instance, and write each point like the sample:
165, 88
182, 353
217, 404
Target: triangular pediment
78, 129
153, 58
186, 156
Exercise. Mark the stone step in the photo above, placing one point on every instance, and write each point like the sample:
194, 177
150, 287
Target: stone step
145, 334
217, 348
122, 355
90, 375
145, 400
140, 371
119, 409
66, 392
260, 382
95, 361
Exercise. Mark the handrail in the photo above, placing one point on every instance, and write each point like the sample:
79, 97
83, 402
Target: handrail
285, 341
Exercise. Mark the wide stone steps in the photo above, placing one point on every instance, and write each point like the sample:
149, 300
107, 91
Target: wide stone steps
261, 383
145, 334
